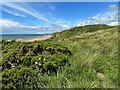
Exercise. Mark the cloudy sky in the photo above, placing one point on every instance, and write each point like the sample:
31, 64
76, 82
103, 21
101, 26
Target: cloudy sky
49, 17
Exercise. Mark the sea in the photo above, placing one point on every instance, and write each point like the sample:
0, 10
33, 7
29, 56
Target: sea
21, 36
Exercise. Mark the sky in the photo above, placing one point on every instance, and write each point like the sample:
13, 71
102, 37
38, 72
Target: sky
50, 17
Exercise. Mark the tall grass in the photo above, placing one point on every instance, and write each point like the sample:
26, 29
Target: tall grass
94, 63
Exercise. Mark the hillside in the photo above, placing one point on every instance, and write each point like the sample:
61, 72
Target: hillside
95, 55
82, 57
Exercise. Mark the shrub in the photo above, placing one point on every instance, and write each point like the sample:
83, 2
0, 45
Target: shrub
23, 61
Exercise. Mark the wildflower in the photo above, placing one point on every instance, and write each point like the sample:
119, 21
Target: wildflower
36, 62
44, 59
13, 66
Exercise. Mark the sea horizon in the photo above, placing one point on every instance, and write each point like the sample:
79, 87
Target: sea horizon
21, 36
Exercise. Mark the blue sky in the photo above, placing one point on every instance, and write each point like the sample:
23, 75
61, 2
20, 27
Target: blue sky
49, 17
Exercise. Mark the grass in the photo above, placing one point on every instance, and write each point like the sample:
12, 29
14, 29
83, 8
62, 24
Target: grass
94, 62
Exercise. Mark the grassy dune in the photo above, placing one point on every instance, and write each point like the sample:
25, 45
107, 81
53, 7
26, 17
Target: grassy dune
95, 57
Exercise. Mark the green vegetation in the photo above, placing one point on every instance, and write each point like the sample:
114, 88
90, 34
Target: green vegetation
82, 57
25, 62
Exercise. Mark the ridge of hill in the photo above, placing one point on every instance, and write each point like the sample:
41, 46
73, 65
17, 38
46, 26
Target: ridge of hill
80, 30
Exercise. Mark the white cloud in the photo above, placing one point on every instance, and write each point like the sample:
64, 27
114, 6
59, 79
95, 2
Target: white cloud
113, 23
109, 18
65, 26
13, 13
113, 7
60, 24
8, 23
9, 26
27, 10
49, 24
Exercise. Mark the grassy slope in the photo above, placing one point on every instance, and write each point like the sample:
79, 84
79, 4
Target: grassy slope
94, 62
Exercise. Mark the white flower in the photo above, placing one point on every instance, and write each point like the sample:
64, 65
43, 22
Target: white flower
44, 59
13, 66
36, 62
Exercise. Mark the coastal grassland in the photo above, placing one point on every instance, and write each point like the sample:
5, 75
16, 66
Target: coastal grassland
81, 57
95, 58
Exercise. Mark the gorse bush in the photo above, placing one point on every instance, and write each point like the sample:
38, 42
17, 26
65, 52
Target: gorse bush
22, 61
13, 77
